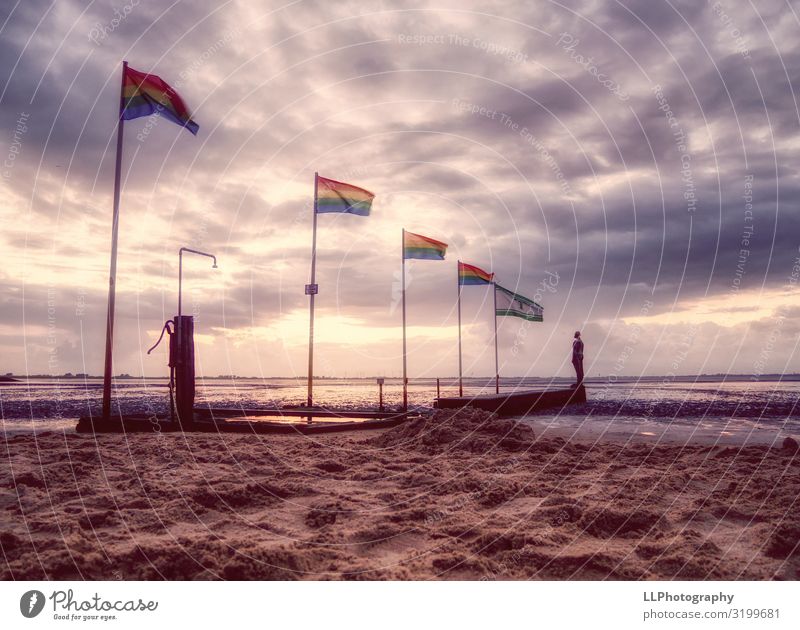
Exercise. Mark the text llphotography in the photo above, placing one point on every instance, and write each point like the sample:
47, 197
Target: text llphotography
400, 314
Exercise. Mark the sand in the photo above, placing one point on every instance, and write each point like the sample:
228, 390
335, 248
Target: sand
464, 497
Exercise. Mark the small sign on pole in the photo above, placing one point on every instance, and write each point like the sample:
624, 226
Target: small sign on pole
312, 289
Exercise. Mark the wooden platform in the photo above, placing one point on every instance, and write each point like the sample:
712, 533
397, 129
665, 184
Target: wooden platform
216, 424
292, 412
517, 403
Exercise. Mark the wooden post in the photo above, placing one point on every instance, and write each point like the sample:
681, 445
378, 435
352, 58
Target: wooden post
460, 381
380, 394
184, 371
312, 293
180, 339
496, 363
112, 276
403, 280
180, 281
438, 394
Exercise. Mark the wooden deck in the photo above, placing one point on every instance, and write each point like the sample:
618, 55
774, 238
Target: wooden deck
350, 421
292, 412
517, 403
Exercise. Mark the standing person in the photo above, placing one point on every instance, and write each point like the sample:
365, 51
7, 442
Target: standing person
577, 358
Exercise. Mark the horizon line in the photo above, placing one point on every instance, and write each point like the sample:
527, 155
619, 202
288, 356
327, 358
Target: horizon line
126, 376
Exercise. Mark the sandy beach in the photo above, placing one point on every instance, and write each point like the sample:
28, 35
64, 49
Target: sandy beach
468, 496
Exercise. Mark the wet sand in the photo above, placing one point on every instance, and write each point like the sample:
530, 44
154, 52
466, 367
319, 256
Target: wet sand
697, 431
468, 496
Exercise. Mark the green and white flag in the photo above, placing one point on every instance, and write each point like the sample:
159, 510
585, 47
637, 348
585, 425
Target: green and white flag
515, 305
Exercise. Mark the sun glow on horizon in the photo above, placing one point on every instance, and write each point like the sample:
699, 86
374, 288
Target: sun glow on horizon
726, 310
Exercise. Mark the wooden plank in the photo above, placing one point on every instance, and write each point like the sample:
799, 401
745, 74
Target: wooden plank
150, 424
517, 403
293, 412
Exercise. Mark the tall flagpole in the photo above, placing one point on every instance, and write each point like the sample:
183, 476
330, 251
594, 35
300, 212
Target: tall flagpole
112, 276
460, 383
496, 363
403, 280
312, 289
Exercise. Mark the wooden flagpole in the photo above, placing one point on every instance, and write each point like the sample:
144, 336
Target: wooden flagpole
496, 363
312, 290
112, 276
460, 383
403, 280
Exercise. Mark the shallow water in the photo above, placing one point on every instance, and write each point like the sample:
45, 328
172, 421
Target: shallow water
52, 403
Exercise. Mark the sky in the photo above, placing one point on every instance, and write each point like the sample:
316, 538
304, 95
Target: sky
628, 165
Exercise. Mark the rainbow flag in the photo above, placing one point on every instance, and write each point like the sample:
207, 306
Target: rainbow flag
333, 196
469, 274
145, 94
417, 246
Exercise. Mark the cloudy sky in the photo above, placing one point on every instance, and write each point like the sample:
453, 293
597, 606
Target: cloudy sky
631, 165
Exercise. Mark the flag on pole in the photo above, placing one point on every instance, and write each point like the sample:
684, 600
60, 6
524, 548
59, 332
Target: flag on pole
140, 95
469, 274
417, 246
333, 196
515, 305
145, 94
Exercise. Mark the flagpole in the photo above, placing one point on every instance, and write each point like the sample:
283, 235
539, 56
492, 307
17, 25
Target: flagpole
313, 290
112, 275
403, 280
460, 382
496, 363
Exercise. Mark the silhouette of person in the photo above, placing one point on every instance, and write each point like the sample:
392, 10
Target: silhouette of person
577, 358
